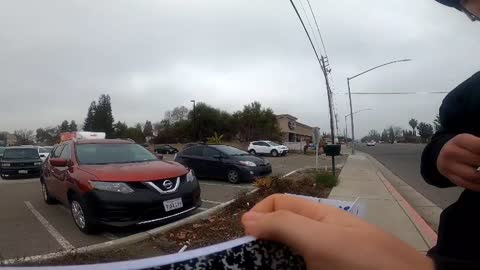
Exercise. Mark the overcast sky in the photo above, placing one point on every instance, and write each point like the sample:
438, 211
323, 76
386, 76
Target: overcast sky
150, 56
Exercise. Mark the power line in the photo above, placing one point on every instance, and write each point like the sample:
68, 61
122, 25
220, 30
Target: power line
318, 29
308, 35
309, 24
399, 93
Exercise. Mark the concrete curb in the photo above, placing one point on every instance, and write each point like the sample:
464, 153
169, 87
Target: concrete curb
427, 233
425, 230
105, 246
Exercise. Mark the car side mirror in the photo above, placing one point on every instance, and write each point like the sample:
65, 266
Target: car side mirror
159, 156
58, 162
42, 155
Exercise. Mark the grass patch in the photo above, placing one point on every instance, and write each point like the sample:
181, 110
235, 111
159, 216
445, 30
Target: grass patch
325, 179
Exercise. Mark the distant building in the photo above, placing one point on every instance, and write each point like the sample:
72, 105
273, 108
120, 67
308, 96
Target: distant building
292, 130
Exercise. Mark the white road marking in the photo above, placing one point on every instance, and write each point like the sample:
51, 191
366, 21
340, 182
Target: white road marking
225, 185
60, 239
207, 201
109, 236
290, 173
26, 181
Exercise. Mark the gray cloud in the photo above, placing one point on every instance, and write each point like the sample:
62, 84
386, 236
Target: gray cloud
58, 56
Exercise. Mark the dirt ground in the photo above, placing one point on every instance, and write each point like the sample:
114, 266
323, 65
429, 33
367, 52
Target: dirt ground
222, 226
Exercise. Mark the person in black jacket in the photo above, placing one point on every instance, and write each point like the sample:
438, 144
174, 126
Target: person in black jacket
452, 158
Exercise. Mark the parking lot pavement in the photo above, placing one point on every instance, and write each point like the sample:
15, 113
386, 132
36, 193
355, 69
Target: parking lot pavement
30, 227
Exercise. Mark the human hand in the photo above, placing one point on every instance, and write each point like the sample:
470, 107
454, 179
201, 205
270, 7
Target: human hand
459, 160
329, 238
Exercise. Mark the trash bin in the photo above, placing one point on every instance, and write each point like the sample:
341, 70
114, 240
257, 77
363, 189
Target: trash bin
332, 150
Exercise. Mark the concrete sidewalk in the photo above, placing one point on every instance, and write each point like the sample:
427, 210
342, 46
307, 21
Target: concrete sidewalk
385, 207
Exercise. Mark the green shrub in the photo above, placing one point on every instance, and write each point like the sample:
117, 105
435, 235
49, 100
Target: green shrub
326, 179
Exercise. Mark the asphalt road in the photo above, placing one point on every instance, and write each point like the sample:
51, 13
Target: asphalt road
30, 227
404, 161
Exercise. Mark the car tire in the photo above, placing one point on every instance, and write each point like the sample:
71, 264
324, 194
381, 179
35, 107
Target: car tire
46, 195
233, 176
253, 152
274, 153
81, 215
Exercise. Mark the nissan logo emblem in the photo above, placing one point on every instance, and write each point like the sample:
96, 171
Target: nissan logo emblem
168, 184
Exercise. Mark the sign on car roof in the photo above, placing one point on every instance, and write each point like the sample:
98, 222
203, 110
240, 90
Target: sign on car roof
81, 135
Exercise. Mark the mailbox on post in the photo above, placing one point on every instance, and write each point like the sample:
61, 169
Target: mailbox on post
332, 150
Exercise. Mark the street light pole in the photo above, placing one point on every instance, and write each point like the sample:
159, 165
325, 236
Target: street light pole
193, 121
350, 94
346, 123
351, 116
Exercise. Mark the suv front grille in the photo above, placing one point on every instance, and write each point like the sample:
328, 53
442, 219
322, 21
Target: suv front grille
164, 186
22, 164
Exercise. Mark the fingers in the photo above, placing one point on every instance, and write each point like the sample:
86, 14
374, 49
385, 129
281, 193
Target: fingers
459, 160
309, 209
457, 154
464, 176
291, 229
468, 142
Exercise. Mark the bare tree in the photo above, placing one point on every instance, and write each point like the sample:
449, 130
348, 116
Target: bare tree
24, 136
177, 114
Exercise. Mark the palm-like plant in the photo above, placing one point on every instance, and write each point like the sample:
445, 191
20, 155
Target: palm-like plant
215, 139
413, 123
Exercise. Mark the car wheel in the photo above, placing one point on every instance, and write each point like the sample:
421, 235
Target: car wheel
46, 195
233, 176
274, 153
253, 152
81, 215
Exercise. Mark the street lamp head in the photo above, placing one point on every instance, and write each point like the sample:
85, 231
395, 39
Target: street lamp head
192, 100
406, 60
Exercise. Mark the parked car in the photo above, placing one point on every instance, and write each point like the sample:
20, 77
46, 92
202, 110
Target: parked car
188, 145
267, 147
371, 143
223, 162
2, 149
20, 161
118, 183
44, 152
166, 149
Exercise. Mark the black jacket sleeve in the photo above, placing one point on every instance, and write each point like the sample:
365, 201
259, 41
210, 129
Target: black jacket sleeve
458, 114
430, 154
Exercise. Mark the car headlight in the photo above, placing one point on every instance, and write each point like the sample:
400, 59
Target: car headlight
190, 176
267, 161
37, 163
248, 163
6, 164
112, 187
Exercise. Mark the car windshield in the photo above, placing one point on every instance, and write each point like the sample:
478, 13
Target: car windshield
273, 144
98, 154
27, 153
229, 150
44, 150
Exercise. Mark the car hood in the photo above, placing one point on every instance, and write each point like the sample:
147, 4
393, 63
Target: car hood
254, 159
134, 172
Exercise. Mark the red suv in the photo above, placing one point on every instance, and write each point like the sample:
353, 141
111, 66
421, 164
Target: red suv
118, 183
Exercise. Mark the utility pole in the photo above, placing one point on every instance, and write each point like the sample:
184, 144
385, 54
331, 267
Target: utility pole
325, 70
193, 118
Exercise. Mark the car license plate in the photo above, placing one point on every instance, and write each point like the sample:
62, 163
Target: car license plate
173, 204
23, 172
